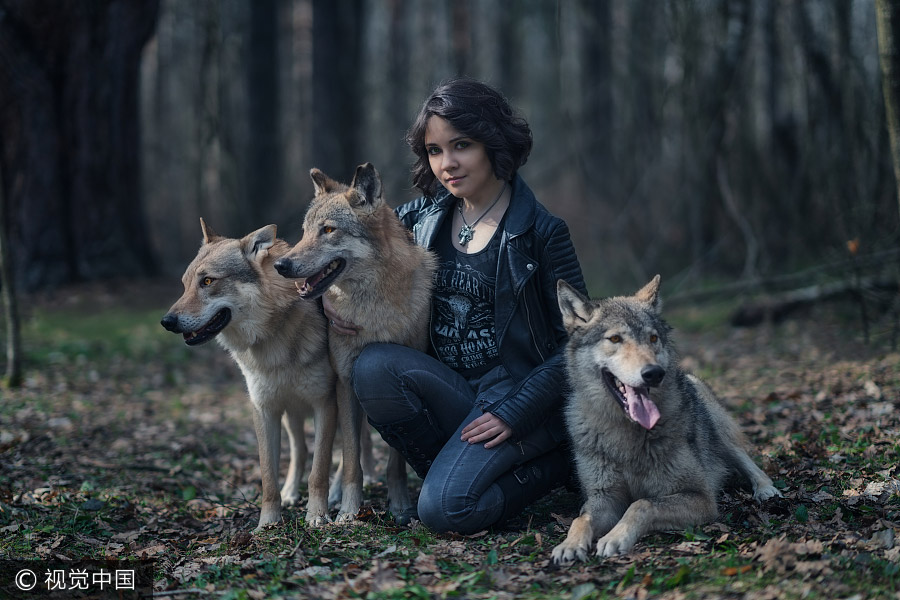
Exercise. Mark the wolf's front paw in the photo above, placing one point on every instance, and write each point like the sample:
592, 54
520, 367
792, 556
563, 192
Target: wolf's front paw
567, 552
268, 514
317, 521
765, 492
345, 518
610, 545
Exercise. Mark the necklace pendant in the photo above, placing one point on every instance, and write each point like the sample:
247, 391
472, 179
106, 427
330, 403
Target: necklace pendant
466, 234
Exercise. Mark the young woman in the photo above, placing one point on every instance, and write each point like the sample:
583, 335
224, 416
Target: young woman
478, 417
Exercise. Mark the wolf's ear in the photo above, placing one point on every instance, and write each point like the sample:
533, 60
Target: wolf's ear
322, 182
369, 192
575, 308
650, 294
208, 234
254, 243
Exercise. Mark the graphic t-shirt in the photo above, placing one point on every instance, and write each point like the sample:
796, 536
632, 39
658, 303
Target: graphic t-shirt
462, 311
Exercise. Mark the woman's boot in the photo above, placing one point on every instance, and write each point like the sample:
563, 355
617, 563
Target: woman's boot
533, 480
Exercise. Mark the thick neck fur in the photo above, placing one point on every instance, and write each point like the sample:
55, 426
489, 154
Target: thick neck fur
398, 279
274, 331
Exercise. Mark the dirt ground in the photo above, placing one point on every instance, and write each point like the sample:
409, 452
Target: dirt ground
149, 452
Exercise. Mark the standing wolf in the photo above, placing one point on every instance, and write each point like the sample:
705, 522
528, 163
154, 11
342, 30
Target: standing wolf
232, 293
653, 446
355, 250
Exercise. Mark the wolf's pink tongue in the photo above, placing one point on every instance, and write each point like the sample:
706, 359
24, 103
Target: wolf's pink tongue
640, 407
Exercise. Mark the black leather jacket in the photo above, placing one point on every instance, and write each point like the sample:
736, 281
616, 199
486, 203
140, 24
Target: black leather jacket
535, 251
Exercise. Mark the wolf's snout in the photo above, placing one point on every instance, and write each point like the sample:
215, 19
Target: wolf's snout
170, 322
284, 267
653, 375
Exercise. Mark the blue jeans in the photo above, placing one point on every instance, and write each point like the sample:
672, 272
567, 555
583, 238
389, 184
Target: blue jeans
395, 383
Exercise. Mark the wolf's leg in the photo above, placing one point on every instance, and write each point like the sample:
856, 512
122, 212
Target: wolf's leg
350, 415
292, 420
399, 502
268, 437
367, 460
675, 511
759, 481
367, 454
739, 459
325, 419
577, 542
598, 515
335, 491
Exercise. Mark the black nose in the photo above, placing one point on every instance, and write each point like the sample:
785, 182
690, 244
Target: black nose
283, 266
653, 375
170, 322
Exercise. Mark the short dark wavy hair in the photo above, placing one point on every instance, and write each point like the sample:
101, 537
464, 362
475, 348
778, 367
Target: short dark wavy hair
477, 111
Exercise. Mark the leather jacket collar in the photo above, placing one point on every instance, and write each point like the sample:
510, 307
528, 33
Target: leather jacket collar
519, 215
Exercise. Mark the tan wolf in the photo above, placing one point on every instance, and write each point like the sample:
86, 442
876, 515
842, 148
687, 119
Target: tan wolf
653, 446
355, 250
279, 341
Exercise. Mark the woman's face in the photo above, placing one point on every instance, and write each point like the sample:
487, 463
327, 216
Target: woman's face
460, 163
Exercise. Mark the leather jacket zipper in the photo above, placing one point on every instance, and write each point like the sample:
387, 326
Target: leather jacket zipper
531, 329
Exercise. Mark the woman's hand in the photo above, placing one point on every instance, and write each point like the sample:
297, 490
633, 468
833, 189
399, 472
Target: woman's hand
486, 427
336, 323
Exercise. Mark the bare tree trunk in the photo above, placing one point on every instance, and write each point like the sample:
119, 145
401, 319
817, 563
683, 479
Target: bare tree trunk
598, 126
209, 143
888, 24
461, 34
264, 157
69, 113
30, 158
888, 20
13, 376
336, 83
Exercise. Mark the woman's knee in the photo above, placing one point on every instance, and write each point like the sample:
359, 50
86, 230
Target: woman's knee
442, 511
372, 376
379, 382
431, 509
370, 364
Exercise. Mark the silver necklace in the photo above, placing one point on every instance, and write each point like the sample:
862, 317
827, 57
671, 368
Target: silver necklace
467, 232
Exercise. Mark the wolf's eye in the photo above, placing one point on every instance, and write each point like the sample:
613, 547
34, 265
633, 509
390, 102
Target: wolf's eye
328, 229
207, 281
615, 339
654, 338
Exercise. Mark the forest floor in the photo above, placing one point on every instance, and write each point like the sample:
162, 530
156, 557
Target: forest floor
125, 444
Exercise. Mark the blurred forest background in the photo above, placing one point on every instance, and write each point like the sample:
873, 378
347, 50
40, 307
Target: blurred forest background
712, 141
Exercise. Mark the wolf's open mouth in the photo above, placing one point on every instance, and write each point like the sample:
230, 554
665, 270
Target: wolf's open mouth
635, 401
315, 285
219, 321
